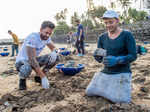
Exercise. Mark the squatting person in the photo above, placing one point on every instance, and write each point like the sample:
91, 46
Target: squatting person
28, 57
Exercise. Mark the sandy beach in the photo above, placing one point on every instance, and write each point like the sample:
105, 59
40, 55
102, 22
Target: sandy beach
67, 93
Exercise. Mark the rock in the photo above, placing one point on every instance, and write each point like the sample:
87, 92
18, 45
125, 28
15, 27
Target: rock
23, 101
9, 97
144, 89
139, 80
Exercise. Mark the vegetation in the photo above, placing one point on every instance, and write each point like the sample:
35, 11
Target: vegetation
91, 18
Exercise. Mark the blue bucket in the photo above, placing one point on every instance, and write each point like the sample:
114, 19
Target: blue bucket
146, 42
70, 70
4, 54
65, 53
59, 66
62, 48
5, 49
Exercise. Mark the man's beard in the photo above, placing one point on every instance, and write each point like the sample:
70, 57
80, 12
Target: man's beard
43, 37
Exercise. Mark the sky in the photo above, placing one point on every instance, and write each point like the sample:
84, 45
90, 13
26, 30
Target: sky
25, 16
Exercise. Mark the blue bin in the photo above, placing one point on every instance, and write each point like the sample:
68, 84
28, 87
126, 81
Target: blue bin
5, 49
70, 70
146, 42
4, 54
65, 53
62, 48
59, 66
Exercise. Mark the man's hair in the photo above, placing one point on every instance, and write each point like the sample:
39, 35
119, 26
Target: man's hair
9, 31
48, 24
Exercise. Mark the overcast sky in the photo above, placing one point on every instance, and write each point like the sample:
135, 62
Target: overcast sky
25, 16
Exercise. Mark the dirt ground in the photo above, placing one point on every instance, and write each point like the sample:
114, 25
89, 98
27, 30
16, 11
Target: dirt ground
67, 93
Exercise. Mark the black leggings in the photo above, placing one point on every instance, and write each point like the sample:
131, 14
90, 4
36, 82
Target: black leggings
80, 46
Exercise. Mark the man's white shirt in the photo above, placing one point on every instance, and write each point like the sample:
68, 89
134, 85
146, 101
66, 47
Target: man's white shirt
34, 41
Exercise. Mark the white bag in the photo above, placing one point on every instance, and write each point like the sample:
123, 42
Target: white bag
115, 87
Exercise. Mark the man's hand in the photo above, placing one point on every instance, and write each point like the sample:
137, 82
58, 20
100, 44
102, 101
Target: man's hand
53, 57
45, 83
79, 38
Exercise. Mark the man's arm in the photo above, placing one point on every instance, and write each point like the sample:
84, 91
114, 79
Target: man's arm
81, 31
51, 46
33, 62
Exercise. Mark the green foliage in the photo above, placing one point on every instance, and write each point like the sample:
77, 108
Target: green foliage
62, 27
96, 14
142, 15
125, 5
87, 23
73, 18
61, 16
112, 5
136, 15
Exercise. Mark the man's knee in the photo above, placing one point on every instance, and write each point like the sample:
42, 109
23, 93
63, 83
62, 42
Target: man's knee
25, 71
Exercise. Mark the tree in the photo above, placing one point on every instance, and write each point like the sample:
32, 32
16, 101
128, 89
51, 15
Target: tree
87, 22
62, 26
73, 18
61, 22
136, 15
61, 16
96, 14
125, 5
112, 5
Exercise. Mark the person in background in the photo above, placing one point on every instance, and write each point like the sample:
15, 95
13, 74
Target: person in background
15, 45
28, 57
69, 39
80, 38
116, 49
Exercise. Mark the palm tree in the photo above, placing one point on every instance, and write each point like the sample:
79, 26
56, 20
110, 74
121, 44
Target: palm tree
112, 5
125, 5
61, 16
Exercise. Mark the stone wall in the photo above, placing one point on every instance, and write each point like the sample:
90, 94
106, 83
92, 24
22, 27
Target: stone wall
140, 30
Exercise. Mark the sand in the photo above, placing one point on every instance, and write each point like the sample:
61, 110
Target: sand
67, 93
